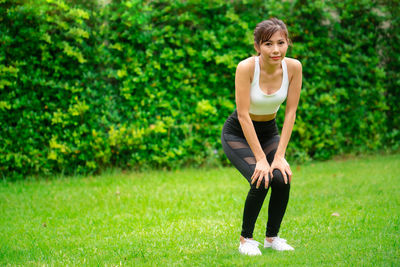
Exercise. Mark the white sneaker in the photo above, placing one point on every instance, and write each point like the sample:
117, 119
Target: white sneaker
277, 244
249, 247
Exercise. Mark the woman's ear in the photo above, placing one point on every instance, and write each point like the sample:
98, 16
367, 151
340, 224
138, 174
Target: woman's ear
257, 47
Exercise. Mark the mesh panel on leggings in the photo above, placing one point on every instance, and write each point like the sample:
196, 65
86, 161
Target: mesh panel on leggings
243, 150
270, 147
241, 147
250, 160
236, 144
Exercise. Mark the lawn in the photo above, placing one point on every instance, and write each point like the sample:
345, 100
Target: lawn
192, 217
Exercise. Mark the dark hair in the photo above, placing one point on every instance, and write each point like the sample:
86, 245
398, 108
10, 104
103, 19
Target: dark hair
266, 28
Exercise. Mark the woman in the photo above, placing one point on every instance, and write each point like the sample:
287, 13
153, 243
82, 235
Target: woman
250, 137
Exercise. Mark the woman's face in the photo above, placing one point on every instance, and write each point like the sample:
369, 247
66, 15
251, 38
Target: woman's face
273, 50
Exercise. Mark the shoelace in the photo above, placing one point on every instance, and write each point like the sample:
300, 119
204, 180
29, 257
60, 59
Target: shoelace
280, 243
254, 242
281, 239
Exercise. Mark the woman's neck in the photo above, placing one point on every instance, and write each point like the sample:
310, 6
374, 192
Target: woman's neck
269, 68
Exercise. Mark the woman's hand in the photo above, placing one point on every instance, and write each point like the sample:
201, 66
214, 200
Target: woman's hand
261, 172
281, 164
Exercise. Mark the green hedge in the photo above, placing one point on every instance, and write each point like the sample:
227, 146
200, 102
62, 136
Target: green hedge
143, 84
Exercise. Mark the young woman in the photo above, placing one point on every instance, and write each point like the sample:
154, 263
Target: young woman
250, 136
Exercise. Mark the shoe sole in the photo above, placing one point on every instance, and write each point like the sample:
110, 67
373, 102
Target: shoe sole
250, 254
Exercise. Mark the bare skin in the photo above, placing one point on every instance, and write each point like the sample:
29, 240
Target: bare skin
268, 117
271, 54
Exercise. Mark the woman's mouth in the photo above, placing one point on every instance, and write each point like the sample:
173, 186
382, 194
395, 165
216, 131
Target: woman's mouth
276, 58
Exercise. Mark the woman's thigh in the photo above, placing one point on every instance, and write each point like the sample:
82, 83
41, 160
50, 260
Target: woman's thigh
240, 154
270, 146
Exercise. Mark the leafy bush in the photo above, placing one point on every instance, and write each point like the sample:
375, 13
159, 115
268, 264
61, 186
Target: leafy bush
133, 84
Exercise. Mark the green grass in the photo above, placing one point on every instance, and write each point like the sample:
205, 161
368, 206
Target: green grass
192, 217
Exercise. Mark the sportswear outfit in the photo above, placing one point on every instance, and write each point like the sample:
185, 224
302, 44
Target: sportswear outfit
241, 156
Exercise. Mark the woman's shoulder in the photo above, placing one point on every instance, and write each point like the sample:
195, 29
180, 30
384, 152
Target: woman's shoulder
293, 64
247, 65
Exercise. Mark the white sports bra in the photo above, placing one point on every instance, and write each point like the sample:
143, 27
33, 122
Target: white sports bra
262, 103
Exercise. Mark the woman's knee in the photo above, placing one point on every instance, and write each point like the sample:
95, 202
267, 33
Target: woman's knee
278, 179
260, 188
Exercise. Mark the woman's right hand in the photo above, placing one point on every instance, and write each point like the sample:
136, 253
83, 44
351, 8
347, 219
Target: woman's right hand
261, 172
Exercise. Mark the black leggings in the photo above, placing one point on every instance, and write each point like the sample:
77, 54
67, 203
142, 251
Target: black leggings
240, 154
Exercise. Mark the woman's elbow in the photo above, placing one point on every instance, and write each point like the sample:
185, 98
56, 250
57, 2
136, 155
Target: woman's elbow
243, 115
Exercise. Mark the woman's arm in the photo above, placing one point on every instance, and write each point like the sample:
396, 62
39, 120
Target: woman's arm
242, 94
290, 116
242, 89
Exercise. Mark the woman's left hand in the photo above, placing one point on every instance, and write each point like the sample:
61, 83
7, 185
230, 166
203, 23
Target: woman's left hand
281, 164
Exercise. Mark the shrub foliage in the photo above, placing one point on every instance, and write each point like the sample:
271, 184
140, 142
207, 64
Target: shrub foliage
141, 84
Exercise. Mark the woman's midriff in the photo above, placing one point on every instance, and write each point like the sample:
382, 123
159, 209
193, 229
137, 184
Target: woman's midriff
267, 117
